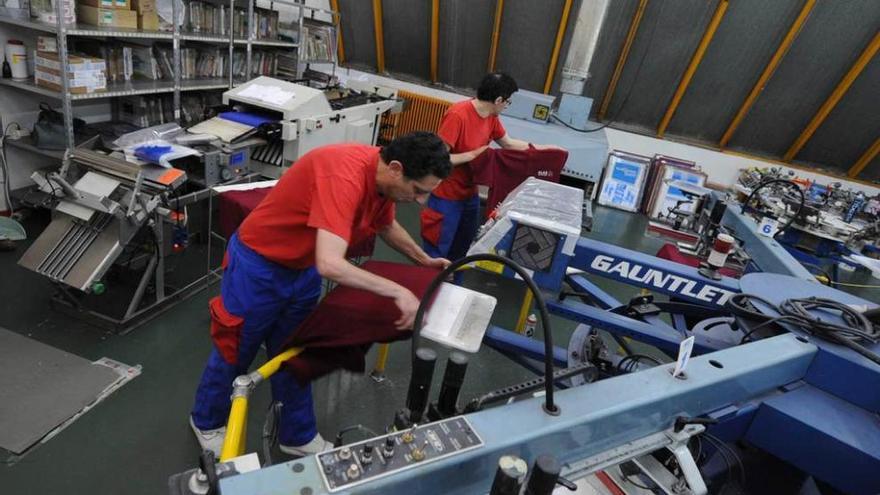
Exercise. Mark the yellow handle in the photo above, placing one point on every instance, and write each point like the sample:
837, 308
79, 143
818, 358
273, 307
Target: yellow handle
236, 426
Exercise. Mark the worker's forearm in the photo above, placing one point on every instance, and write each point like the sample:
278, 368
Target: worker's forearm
460, 158
344, 273
399, 239
515, 144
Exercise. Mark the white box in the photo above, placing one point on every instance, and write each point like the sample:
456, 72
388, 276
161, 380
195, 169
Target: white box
458, 317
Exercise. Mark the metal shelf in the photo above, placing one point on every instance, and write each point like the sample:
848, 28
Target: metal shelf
28, 23
104, 32
27, 143
222, 39
88, 30
30, 86
204, 84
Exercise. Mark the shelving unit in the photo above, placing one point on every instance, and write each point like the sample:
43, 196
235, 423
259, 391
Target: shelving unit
176, 86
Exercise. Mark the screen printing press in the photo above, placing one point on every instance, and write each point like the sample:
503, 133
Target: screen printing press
779, 396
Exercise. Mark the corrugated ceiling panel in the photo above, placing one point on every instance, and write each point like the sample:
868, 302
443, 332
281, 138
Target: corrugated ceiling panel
358, 38
611, 38
408, 36
851, 127
830, 42
670, 33
465, 32
743, 44
528, 32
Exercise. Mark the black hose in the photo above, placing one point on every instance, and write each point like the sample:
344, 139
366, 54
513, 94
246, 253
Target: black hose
779, 181
549, 406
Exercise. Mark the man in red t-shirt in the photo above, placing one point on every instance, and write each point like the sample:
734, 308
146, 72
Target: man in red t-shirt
451, 219
333, 197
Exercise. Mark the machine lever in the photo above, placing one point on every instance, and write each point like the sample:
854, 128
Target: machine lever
682, 421
566, 483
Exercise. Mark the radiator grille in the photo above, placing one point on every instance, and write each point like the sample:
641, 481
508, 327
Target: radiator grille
423, 113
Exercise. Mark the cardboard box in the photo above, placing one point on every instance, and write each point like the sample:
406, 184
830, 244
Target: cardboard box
81, 82
75, 62
108, 17
47, 44
148, 21
85, 74
142, 6
105, 4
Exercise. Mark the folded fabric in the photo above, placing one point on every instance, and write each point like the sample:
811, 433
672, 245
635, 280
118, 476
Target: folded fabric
340, 331
504, 170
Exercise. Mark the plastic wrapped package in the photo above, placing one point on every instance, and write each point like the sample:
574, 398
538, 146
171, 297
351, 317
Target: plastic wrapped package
546, 205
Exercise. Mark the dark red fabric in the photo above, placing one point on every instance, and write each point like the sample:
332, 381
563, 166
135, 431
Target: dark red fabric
341, 329
225, 330
671, 252
234, 207
503, 170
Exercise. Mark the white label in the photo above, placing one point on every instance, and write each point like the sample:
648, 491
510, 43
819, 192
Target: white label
768, 227
684, 355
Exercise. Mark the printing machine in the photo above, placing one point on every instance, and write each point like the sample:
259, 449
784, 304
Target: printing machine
103, 204
791, 406
306, 118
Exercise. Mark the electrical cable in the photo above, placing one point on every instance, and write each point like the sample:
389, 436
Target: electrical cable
549, 405
348, 429
797, 312
566, 124
633, 361
791, 185
720, 443
723, 453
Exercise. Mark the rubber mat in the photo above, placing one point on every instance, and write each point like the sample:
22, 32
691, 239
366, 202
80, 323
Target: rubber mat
42, 388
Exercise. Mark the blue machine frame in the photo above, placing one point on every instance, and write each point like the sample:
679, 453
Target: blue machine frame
808, 402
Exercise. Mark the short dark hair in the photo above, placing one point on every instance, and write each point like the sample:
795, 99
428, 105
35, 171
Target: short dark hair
495, 84
421, 153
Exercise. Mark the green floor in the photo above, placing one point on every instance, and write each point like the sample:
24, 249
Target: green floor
139, 436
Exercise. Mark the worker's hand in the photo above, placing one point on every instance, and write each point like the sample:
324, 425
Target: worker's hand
477, 151
548, 147
438, 263
408, 305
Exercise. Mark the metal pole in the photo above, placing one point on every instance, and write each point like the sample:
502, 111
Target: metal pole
692, 67
380, 37
142, 285
554, 57
232, 38
435, 35
252, 35
496, 33
340, 49
176, 47
66, 103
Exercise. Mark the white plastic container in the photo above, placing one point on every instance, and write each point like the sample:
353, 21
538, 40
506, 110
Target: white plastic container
16, 55
458, 317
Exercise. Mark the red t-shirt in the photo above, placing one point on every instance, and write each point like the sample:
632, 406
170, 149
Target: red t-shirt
331, 188
464, 130
504, 170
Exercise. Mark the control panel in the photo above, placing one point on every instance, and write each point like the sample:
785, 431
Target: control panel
358, 463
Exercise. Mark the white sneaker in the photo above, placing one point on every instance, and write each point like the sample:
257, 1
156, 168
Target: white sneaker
317, 445
209, 439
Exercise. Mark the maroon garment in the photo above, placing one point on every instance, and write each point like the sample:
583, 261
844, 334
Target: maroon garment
234, 206
503, 170
341, 329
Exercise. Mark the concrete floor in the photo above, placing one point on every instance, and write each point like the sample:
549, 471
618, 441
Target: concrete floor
133, 441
